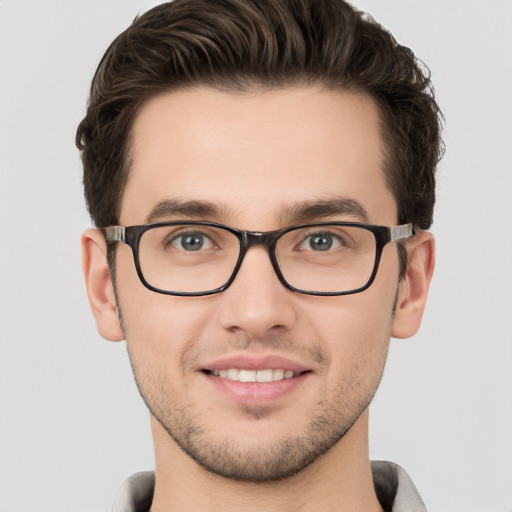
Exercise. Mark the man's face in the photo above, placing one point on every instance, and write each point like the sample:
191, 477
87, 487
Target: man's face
257, 159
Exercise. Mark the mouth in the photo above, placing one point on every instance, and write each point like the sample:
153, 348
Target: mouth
256, 380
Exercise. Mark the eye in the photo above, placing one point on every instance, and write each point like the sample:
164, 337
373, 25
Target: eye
192, 241
321, 242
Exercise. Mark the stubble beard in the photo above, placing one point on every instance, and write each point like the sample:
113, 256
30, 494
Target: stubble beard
274, 460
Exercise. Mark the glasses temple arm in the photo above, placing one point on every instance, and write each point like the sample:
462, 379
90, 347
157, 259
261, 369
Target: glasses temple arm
115, 234
400, 232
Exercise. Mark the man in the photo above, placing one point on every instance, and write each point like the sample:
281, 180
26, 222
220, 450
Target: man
262, 172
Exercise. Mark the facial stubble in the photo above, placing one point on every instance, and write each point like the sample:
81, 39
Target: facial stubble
276, 458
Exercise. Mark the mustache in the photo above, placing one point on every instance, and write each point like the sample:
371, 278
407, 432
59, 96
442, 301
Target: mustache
283, 343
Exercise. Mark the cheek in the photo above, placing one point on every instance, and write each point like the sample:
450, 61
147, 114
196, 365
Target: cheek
356, 330
160, 334
355, 321
160, 329
164, 322
358, 355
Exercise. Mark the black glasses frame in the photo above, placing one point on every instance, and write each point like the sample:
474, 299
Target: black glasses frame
131, 236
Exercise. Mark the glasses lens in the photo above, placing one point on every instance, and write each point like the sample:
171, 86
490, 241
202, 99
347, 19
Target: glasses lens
327, 258
188, 258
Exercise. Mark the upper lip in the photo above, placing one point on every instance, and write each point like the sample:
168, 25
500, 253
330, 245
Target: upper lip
256, 363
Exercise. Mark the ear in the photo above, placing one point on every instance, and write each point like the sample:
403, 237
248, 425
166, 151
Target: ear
99, 285
413, 288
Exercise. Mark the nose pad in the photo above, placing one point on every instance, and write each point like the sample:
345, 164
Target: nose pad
257, 302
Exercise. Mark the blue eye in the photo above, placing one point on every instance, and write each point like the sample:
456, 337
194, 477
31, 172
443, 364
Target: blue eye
192, 242
321, 242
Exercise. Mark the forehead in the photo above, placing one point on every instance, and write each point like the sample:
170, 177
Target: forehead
254, 154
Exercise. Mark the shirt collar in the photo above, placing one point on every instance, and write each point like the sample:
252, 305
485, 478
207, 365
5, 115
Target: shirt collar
394, 489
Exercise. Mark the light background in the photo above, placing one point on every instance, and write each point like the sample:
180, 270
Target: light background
72, 426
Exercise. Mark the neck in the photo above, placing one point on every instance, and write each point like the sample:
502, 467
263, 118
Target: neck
340, 480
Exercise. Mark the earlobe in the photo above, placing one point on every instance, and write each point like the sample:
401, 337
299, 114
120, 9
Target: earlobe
100, 290
413, 289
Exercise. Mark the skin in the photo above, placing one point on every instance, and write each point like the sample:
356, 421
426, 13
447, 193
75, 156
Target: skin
252, 156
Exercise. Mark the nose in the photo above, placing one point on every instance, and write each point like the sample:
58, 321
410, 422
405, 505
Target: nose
257, 303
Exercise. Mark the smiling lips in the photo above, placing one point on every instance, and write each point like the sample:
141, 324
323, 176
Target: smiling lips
248, 380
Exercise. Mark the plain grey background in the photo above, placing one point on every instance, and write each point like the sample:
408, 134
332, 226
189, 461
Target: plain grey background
72, 426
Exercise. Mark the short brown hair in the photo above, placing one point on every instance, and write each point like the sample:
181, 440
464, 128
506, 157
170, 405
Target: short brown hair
239, 45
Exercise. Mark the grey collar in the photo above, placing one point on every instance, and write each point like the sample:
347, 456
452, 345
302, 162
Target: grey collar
394, 488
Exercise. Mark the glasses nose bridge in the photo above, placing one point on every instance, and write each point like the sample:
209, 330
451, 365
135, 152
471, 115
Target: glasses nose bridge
252, 238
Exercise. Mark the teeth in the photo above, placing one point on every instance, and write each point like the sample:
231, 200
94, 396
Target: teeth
264, 376
278, 374
247, 376
254, 375
232, 374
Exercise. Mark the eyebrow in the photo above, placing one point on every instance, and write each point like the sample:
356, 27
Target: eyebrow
169, 208
295, 213
308, 211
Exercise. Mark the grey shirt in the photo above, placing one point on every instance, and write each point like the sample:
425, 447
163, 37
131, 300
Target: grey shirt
394, 488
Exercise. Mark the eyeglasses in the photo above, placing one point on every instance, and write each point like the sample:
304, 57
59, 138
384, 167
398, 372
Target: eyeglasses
203, 258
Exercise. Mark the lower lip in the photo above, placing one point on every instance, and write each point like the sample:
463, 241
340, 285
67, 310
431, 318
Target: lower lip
256, 393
